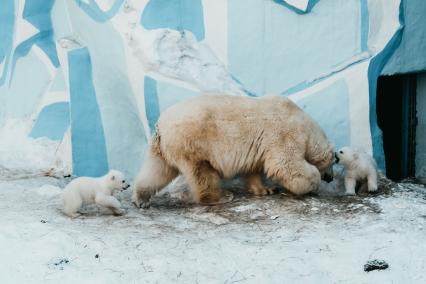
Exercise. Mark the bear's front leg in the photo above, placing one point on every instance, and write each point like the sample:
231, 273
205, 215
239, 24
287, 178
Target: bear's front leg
297, 176
254, 184
141, 196
350, 184
109, 202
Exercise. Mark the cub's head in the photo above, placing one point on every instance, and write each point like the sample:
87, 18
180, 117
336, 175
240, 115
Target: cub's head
117, 181
346, 156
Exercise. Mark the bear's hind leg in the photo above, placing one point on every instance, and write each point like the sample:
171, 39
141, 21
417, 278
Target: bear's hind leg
372, 182
72, 203
254, 184
203, 181
154, 176
298, 176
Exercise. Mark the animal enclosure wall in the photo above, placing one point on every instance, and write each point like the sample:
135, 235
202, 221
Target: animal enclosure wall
82, 82
421, 128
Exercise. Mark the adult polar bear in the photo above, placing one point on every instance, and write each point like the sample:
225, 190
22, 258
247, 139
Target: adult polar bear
210, 137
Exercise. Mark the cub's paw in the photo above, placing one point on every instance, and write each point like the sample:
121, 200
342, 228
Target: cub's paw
119, 212
372, 189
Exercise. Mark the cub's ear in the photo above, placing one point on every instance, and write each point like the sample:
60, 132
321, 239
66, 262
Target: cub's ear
356, 156
113, 177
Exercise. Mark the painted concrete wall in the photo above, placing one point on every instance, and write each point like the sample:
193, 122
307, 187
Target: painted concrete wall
421, 127
87, 79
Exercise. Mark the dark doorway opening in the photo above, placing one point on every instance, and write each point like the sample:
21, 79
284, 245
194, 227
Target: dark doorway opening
396, 117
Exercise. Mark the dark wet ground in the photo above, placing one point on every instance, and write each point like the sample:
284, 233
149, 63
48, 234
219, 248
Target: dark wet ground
246, 208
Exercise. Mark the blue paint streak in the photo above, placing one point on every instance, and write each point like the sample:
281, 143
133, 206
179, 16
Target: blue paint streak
304, 85
7, 20
37, 12
52, 122
175, 14
44, 40
248, 93
375, 68
365, 25
152, 105
309, 8
332, 117
89, 152
92, 9
7, 26
311, 5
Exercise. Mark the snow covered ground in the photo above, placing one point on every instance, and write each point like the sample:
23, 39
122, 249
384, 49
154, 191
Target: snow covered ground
276, 239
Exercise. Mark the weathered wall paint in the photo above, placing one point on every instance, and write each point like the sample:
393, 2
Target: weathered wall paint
117, 64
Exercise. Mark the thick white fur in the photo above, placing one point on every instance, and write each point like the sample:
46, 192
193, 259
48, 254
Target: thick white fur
88, 190
359, 167
211, 137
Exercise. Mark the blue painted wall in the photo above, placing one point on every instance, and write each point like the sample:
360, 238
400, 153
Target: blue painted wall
152, 106
52, 122
335, 121
37, 12
7, 18
276, 40
77, 62
175, 14
410, 55
89, 153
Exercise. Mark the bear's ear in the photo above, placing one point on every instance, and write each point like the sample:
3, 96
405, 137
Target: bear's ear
113, 177
356, 156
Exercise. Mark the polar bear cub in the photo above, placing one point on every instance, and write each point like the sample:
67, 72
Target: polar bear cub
88, 190
359, 167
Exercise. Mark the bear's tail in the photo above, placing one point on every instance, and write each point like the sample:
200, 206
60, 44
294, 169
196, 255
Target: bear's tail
156, 144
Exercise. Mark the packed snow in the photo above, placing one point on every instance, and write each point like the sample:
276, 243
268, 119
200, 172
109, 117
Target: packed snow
22, 155
324, 238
